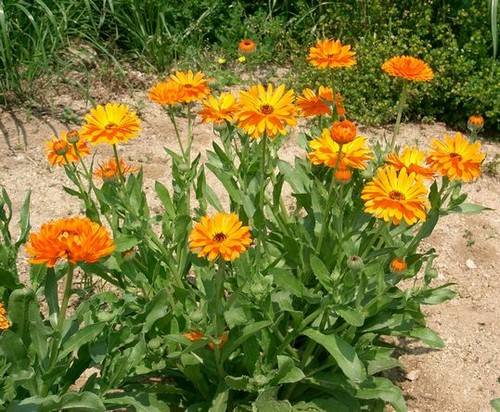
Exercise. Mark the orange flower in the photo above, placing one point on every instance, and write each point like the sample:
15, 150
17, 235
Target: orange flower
343, 175
247, 46
456, 158
4, 321
339, 106
165, 93
221, 235
221, 341
409, 68
475, 122
76, 239
394, 196
218, 110
266, 111
192, 86
112, 123
60, 151
311, 104
193, 335
412, 160
343, 132
398, 265
109, 171
325, 152
331, 54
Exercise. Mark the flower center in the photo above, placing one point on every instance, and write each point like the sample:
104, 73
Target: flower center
266, 109
110, 125
395, 195
455, 156
188, 86
220, 237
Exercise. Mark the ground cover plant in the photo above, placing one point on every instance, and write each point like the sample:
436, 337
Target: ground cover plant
282, 295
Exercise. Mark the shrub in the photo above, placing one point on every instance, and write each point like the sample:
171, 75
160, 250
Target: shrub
285, 302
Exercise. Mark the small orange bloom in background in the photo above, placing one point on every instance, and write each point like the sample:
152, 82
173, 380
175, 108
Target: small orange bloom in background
247, 46
343, 175
339, 106
219, 109
113, 123
312, 104
456, 157
222, 341
193, 335
331, 54
325, 152
60, 151
76, 239
343, 132
221, 235
475, 122
165, 93
409, 68
108, 171
4, 321
395, 197
192, 86
266, 111
413, 160
398, 265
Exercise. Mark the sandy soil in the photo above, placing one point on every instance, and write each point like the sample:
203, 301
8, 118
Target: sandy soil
463, 376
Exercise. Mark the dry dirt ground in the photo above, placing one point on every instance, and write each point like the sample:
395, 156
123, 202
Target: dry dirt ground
463, 376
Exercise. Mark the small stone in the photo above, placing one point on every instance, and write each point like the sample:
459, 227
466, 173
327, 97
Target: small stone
470, 264
413, 375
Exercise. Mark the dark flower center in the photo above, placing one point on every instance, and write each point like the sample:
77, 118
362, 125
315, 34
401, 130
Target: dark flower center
395, 195
266, 109
455, 156
220, 237
110, 125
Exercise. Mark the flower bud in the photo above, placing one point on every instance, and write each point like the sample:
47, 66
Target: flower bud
475, 123
398, 265
73, 136
343, 175
61, 147
343, 132
355, 263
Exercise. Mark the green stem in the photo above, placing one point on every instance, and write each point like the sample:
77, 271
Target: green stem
120, 172
261, 200
177, 134
190, 132
400, 107
219, 316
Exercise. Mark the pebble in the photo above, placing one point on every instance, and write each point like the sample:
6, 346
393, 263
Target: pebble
413, 375
470, 264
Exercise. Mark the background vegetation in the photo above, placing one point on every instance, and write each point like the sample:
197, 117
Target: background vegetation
457, 37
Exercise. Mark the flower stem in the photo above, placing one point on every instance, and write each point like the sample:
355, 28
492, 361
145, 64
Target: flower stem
261, 201
400, 107
177, 134
190, 132
219, 316
118, 167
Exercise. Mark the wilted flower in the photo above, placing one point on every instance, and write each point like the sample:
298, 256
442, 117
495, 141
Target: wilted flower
109, 171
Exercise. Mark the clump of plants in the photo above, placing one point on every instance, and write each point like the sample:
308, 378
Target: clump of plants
257, 300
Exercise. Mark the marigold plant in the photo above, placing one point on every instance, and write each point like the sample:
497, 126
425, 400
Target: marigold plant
331, 54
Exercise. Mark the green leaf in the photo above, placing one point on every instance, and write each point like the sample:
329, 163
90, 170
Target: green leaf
24, 220
469, 208
124, 243
382, 388
235, 316
228, 184
83, 401
219, 403
19, 302
285, 280
166, 199
352, 316
437, 295
321, 272
342, 352
287, 371
495, 404
156, 309
428, 336
80, 338
246, 333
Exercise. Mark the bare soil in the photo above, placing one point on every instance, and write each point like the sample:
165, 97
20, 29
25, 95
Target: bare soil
463, 376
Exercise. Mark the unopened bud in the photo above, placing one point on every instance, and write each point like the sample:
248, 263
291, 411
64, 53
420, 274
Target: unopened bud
355, 263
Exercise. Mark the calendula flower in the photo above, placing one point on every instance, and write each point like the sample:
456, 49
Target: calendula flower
113, 123
325, 152
193, 86
242, 59
409, 68
166, 93
221, 60
247, 46
219, 109
456, 158
331, 54
266, 111
109, 171
343, 175
312, 104
75, 239
343, 131
60, 151
4, 321
475, 123
395, 197
398, 265
413, 160
193, 335
221, 235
